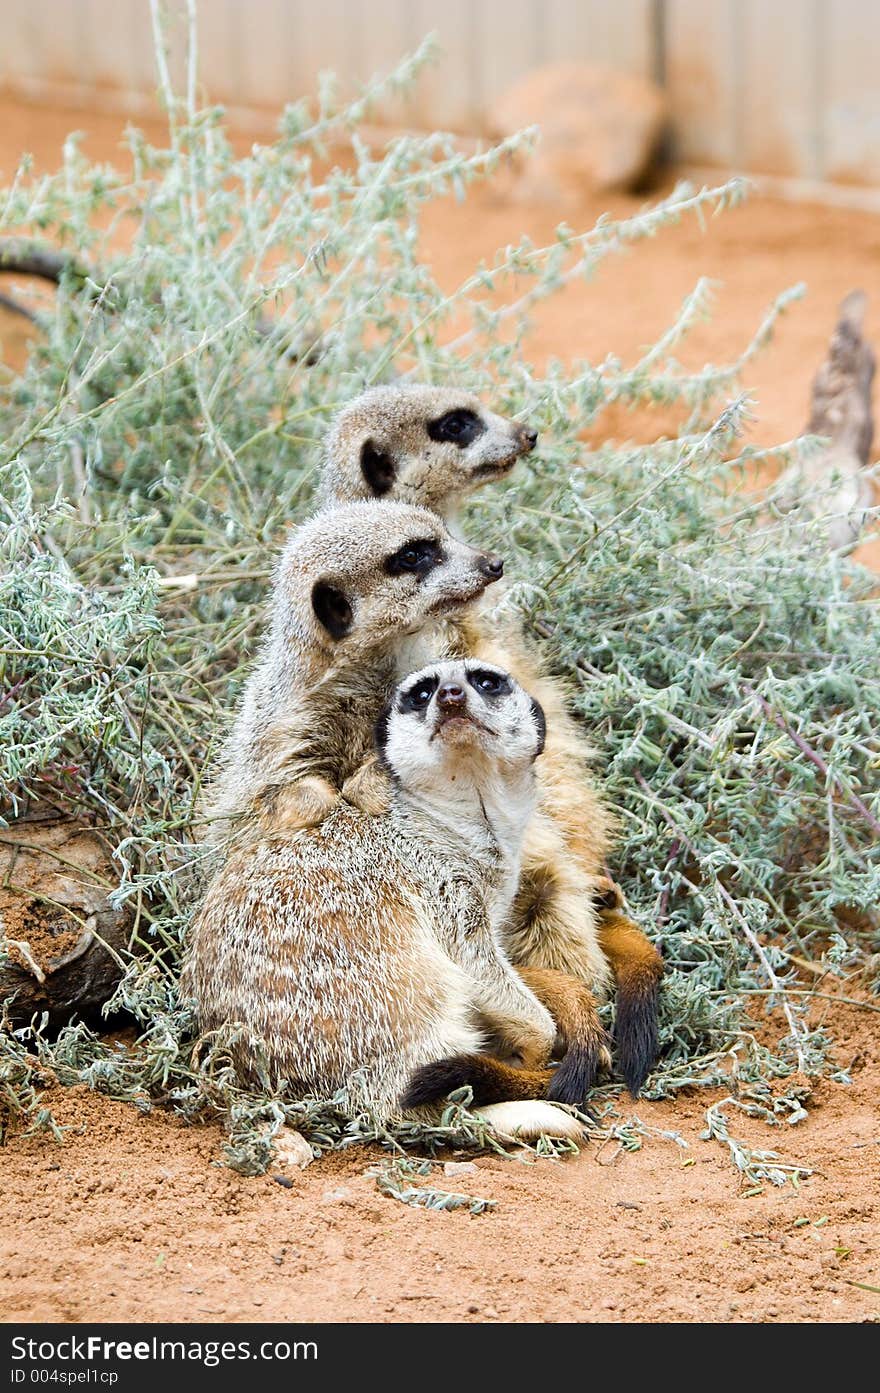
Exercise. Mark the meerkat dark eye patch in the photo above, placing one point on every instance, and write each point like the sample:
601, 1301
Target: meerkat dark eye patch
416, 558
461, 427
378, 469
332, 609
540, 725
418, 696
488, 683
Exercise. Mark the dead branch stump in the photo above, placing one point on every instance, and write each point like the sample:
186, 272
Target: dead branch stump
62, 937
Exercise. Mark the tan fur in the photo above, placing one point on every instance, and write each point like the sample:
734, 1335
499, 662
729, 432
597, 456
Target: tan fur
305, 721
558, 916
382, 433
491, 1080
352, 953
572, 1007
555, 922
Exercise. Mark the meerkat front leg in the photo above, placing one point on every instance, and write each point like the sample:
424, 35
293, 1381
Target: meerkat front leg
554, 922
301, 803
584, 1041
516, 1018
369, 789
509, 1007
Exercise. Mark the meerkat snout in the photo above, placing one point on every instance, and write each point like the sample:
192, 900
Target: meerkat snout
451, 697
411, 441
492, 567
529, 439
361, 574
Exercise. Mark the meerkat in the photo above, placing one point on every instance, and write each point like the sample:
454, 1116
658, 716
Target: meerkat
353, 955
358, 594
431, 447
356, 591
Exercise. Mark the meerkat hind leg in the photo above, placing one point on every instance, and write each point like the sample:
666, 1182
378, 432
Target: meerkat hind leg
585, 1043
529, 1121
495, 1081
554, 920
573, 922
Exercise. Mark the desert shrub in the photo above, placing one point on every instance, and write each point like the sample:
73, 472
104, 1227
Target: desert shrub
214, 309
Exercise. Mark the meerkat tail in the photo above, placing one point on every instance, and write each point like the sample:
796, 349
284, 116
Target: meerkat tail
506, 1096
637, 968
527, 1121
490, 1081
573, 1008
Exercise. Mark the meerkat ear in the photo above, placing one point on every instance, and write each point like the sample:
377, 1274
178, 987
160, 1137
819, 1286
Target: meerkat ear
377, 468
332, 609
540, 725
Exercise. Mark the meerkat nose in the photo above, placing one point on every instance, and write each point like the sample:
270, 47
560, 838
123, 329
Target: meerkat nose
491, 566
528, 438
450, 696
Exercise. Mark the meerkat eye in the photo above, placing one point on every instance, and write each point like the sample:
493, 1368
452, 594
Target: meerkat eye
416, 557
419, 695
489, 683
461, 427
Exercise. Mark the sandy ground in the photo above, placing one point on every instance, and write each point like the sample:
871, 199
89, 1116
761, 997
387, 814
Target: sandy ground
131, 1219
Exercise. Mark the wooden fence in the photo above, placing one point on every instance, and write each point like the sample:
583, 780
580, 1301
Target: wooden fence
789, 87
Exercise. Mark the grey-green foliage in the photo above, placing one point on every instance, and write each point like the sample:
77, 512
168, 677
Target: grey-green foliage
166, 427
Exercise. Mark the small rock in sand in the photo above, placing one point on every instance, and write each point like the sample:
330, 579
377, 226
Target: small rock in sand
343, 1192
458, 1168
292, 1149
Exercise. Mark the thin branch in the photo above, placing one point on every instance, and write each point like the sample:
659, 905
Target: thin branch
746, 928
814, 757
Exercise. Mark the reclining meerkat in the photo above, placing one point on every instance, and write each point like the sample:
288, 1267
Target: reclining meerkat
353, 954
431, 447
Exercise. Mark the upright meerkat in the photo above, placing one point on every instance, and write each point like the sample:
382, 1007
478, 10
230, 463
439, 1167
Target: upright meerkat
358, 590
355, 954
432, 446
358, 595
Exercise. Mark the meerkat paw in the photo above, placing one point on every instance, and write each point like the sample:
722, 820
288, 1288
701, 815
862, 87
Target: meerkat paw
533, 1047
369, 789
528, 1121
305, 803
606, 893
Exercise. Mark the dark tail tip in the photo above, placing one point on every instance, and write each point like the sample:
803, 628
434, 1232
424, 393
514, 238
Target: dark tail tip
636, 1036
575, 1076
434, 1081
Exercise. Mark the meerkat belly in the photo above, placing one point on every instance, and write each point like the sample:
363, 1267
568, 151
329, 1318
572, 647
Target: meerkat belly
553, 922
322, 951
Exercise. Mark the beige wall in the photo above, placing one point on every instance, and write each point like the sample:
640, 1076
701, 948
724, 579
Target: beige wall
781, 86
